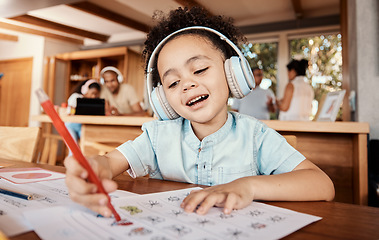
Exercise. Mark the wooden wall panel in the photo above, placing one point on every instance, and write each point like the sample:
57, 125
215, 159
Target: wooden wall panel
333, 153
135, 73
15, 92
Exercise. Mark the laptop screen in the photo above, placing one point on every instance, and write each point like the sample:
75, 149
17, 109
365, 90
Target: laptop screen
90, 106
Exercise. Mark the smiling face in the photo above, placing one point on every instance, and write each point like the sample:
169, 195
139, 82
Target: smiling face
111, 82
192, 73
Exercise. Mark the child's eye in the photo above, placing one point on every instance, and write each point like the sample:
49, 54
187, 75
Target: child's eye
173, 84
201, 70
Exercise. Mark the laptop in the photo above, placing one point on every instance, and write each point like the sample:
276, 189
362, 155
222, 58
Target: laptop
90, 106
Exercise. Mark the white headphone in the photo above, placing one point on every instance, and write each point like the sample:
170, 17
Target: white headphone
85, 87
120, 78
237, 70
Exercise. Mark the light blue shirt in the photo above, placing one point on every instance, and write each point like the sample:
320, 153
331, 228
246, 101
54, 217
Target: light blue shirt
255, 103
242, 147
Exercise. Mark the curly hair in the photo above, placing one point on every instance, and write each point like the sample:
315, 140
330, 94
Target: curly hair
182, 18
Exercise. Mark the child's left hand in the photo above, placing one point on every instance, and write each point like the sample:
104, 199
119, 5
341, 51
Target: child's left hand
234, 195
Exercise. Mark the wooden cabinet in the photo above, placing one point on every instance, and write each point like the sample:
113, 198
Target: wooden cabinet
64, 71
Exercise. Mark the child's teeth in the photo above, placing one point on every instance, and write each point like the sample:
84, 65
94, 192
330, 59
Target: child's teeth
196, 99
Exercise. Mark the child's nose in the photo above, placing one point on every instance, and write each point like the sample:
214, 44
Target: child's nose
189, 84
188, 87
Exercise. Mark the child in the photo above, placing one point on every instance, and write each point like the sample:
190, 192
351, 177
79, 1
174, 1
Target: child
86, 89
238, 156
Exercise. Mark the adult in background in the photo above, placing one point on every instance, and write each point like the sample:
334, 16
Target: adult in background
259, 103
121, 98
296, 104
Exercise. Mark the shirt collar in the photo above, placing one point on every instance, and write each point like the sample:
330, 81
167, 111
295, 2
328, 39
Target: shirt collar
216, 137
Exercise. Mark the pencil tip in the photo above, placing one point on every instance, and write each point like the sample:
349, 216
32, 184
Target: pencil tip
122, 222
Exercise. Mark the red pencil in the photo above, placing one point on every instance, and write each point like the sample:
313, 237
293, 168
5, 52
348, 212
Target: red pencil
70, 142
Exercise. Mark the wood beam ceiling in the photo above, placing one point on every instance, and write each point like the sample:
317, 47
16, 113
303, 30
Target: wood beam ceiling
299, 12
292, 24
191, 4
38, 32
8, 37
60, 27
109, 15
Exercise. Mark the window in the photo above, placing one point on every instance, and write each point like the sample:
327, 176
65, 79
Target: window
264, 56
324, 53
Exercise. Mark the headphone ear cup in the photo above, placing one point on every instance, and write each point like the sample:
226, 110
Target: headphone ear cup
161, 107
235, 76
231, 81
120, 78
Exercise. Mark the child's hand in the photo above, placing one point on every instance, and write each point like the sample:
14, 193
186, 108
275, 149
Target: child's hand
84, 192
234, 195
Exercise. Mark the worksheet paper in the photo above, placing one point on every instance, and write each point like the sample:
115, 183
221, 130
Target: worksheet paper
45, 194
158, 216
29, 175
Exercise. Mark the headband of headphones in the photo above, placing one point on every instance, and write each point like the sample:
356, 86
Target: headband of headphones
120, 78
149, 75
85, 87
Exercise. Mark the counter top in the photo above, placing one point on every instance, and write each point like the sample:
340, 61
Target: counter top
98, 120
289, 126
325, 127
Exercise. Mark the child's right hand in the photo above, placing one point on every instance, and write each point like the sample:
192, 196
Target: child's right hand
84, 192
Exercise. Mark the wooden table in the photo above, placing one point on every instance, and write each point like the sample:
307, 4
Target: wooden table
338, 148
340, 220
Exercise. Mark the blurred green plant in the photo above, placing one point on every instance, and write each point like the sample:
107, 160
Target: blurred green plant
264, 56
324, 54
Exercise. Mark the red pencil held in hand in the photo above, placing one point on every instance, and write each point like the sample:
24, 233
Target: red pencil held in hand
70, 142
